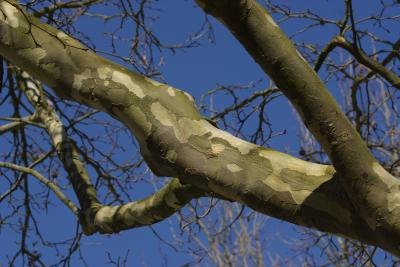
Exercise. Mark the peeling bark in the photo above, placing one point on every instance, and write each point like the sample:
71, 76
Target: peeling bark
93, 216
358, 201
369, 187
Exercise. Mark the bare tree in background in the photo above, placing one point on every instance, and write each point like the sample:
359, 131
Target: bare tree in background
345, 185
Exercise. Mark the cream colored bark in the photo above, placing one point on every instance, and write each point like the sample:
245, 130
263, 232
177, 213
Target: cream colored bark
93, 216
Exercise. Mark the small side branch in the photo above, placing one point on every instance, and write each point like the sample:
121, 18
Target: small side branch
53, 187
157, 207
360, 56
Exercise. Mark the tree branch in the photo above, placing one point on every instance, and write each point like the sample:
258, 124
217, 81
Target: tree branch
369, 187
17, 123
94, 216
157, 207
361, 57
52, 186
65, 5
176, 141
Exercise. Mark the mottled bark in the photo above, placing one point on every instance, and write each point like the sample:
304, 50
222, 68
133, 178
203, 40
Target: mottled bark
176, 141
66, 147
371, 190
94, 217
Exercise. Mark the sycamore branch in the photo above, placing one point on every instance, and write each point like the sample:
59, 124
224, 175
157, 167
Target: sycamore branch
94, 216
66, 147
65, 5
52, 186
369, 187
17, 123
176, 141
374, 65
157, 207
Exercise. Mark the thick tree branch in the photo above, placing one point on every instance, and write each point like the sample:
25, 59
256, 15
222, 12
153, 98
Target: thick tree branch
176, 141
369, 187
157, 207
94, 216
